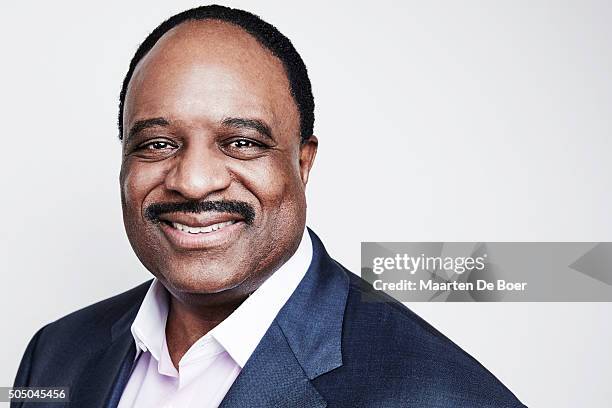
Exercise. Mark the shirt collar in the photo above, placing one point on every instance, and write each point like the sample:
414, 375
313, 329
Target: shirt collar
149, 327
240, 333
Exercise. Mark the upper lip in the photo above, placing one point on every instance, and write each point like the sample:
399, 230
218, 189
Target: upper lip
200, 220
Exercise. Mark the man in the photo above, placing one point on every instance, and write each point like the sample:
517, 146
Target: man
247, 309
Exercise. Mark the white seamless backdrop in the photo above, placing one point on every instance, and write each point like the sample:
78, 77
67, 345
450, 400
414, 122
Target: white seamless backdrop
437, 121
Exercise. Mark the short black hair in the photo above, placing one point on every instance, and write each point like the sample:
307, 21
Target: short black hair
265, 33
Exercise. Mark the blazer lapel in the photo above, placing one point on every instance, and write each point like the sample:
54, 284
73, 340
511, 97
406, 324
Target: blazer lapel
273, 377
303, 342
99, 378
105, 375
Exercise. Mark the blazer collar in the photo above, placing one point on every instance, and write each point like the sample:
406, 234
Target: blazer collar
312, 317
107, 371
124, 323
302, 343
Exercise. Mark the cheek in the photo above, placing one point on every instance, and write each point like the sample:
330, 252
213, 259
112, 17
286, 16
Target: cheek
272, 181
279, 192
137, 180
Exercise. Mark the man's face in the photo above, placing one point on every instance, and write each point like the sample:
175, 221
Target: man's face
213, 172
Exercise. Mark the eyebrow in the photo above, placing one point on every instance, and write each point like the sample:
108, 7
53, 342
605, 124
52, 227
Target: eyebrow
140, 125
254, 124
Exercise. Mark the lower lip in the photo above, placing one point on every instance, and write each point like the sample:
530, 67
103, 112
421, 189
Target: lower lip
186, 240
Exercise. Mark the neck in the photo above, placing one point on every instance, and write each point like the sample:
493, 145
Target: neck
186, 324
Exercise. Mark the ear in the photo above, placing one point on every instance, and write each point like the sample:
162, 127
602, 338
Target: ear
308, 151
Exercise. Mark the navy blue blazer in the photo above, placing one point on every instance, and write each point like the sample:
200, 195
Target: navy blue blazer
335, 343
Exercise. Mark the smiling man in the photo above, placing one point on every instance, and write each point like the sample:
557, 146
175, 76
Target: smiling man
246, 309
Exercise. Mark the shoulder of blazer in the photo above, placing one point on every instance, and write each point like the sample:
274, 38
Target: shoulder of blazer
388, 350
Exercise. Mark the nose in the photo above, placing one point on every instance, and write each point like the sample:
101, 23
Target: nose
199, 171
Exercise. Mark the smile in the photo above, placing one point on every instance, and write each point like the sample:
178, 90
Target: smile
202, 230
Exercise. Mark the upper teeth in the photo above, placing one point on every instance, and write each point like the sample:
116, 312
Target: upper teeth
198, 230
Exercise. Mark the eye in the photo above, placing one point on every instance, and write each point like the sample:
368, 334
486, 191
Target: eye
155, 149
243, 143
243, 148
157, 145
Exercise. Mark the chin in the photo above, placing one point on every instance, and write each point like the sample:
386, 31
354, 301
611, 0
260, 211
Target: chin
202, 281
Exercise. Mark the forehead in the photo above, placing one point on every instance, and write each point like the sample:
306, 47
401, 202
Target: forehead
205, 71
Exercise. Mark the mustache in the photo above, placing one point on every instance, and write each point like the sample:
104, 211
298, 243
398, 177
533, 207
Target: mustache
244, 209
